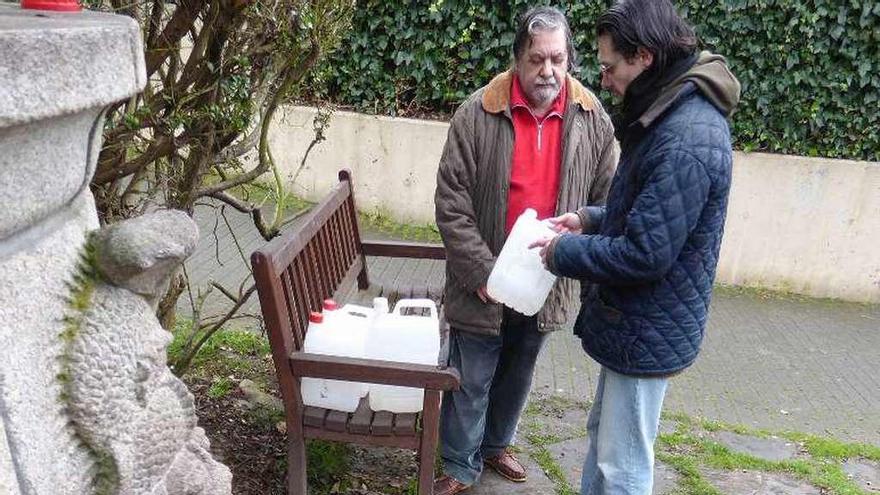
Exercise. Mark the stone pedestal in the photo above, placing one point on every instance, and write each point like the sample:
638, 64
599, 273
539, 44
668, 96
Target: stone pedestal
87, 403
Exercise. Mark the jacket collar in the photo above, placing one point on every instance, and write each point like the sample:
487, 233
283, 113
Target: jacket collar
496, 97
518, 99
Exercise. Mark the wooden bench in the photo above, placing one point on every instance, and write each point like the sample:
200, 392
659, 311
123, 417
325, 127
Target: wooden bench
324, 257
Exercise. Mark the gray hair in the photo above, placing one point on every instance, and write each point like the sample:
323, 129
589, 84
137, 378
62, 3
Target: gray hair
541, 19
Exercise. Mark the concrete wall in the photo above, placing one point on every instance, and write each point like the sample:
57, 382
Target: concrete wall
805, 225
393, 161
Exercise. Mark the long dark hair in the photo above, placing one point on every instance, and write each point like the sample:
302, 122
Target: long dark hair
651, 24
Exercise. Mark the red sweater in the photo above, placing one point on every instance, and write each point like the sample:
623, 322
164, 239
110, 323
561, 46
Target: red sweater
537, 156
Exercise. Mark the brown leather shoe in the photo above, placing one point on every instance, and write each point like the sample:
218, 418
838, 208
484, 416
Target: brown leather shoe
447, 485
508, 466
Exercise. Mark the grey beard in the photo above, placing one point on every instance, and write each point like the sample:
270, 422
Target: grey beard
546, 94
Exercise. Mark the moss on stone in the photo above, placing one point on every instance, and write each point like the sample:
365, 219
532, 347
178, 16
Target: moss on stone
84, 281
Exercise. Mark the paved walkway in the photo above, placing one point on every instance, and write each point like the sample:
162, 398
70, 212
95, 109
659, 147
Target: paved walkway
769, 362
776, 363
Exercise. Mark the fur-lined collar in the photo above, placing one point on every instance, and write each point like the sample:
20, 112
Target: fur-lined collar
496, 97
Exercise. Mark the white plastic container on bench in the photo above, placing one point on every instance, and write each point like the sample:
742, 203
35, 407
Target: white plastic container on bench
404, 338
338, 332
323, 338
519, 279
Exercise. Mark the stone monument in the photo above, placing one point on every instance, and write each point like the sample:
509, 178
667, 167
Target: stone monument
87, 402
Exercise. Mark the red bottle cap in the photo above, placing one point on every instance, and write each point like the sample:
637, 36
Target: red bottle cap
56, 5
315, 317
330, 305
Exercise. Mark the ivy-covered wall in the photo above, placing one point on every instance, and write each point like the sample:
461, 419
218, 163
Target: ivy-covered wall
810, 69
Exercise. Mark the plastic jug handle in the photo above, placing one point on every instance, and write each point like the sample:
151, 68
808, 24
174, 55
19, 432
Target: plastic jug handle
416, 303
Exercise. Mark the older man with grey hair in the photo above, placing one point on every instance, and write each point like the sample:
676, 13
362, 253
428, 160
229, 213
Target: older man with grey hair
534, 137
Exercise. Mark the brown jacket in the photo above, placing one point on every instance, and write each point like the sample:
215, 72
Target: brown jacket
471, 197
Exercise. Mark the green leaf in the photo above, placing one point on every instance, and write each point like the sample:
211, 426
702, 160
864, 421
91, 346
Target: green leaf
431, 54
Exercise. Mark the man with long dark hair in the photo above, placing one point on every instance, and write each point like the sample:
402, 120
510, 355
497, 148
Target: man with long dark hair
534, 137
648, 258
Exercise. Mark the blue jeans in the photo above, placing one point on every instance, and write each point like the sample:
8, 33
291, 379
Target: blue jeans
622, 427
479, 420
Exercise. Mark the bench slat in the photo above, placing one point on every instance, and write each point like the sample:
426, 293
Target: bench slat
436, 281
293, 312
344, 237
331, 258
317, 285
383, 423
420, 279
405, 424
340, 245
303, 287
361, 419
314, 416
300, 295
386, 280
325, 261
404, 249
349, 280
399, 287
336, 421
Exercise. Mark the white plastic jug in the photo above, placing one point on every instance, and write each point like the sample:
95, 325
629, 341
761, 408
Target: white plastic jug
519, 279
330, 334
368, 315
408, 339
357, 321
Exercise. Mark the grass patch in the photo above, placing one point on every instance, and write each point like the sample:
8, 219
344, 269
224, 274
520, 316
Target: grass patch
543, 439
380, 221
220, 387
328, 464
832, 478
265, 417
553, 405
548, 464
832, 449
540, 435
688, 448
691, 481
227, 351
784, 294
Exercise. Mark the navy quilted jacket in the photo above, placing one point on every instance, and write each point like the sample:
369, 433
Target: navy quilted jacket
652, 261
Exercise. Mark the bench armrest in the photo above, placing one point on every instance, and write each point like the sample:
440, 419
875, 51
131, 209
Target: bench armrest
374, 371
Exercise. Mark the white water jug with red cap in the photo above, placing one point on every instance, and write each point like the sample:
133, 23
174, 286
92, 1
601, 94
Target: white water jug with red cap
519, 279
330, 333
407, 338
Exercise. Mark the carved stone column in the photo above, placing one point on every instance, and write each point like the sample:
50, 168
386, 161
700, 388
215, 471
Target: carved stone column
87, 403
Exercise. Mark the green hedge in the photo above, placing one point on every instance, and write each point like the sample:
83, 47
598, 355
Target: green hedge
810, 70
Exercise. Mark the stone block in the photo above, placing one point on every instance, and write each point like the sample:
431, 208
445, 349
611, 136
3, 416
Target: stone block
54, 64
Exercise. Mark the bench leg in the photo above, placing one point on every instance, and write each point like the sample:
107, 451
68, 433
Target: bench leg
428, 444
296, 466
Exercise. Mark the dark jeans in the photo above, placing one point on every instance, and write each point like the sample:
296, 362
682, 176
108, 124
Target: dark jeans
479, 420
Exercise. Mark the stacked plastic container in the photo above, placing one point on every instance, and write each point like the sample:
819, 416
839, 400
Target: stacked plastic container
337, 332
373, 333
405, 338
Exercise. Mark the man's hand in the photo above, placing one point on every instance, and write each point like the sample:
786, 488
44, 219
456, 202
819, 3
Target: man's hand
568, 222
483, 294
544, 242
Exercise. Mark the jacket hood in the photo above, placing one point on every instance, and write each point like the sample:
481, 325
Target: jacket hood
712, 78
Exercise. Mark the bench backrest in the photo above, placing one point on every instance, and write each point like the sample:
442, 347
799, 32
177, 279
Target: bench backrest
295, 273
